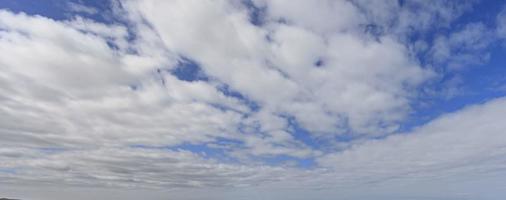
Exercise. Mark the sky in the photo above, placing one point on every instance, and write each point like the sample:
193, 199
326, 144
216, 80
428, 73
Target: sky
253, 99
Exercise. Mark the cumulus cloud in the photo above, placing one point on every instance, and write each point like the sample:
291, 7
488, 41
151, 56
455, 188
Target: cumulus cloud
148, 101
276, 64
75, 86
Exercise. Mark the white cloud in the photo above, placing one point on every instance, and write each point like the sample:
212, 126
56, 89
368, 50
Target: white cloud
469, 142
84, 103
463, 48
501, 23
280, 73
461, 149
302, 14
79, 85
74, 87
80, 8
402, 17
129, 168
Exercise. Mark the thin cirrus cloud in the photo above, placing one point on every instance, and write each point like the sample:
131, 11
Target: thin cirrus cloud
250, 99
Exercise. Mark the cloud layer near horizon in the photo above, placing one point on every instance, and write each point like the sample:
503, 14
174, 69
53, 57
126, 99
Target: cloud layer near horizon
215, 94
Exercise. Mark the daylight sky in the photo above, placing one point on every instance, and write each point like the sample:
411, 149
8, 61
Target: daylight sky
253, 99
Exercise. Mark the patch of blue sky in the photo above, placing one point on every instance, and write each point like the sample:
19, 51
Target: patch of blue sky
256, 14
305, 136
204, 150
484, 11
8, 170
59, 10
478, 85
285, 160
50, 8
51, 150
213, 150
227, 91
189, 70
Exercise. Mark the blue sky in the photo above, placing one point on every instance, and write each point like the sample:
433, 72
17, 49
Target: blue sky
306, 97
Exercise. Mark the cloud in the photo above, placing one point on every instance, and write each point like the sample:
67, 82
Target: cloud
463, 48
467, 146
274, 64
468, 142
412, 16
72, 72
80, 84
80, 8
128, 168
235, 95
501, 23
